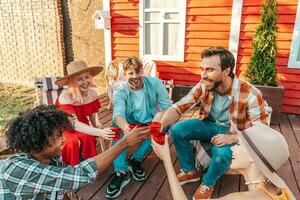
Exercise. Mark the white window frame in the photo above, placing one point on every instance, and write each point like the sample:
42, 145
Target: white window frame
182, 21
295, 45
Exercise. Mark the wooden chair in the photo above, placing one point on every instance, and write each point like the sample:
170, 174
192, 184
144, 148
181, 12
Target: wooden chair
47, 93
169, 85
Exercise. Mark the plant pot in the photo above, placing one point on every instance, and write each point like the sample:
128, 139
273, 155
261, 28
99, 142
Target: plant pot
273, 95
180, 91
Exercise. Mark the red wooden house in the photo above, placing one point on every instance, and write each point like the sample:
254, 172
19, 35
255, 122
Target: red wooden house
174, 32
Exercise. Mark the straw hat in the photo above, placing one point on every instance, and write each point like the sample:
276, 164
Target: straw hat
75, 68
269, 149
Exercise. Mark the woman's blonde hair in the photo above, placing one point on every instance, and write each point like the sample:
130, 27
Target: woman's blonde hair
74, 90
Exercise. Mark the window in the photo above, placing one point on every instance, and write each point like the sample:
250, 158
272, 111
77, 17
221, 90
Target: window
162, 29
294, 59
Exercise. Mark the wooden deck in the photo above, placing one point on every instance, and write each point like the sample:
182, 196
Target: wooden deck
156, 185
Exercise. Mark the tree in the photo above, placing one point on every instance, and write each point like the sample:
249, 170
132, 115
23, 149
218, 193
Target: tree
262, 69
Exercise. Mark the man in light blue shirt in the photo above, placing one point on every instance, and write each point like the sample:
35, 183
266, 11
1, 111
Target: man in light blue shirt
139, 100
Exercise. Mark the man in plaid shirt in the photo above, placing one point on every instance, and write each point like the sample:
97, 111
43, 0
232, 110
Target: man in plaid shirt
223, 98
37, 172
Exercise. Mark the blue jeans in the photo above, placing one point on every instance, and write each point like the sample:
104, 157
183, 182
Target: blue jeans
203, 130
120, 163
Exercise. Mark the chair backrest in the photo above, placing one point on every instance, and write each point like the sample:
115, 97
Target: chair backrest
149, 67
169, 85
47, 91
269, 111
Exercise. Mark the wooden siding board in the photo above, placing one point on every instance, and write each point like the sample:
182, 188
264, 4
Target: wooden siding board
282, 19
124, 6
208, 3
288, 28
215, 11
290, 109
124, 27
124, 20
208, 27
208, 19
178, 70
260, 2
207, 35
122, 34
255, 10
124, 13
280, 36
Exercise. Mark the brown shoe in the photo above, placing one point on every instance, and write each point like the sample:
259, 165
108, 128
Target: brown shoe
203, 192
188, 177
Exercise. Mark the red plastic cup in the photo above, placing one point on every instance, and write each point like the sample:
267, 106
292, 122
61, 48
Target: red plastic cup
155, 128
159, 138
117, 133
156, 134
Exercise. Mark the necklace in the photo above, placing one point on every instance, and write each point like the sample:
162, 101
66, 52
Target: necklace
258, 181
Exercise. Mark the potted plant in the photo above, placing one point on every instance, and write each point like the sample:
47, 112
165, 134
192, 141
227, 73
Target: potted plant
261, 70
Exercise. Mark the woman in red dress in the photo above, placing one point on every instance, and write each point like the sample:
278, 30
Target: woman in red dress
81, 101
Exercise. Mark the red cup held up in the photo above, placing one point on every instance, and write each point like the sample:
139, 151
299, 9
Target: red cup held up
117, 132
156, 133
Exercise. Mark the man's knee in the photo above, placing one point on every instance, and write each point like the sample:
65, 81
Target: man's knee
177, 131
222, 154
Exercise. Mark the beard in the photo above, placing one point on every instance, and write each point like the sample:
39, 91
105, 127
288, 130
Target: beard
212, 84
135, 83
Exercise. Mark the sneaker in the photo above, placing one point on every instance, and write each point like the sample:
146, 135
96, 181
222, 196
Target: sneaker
135, 168
187, 177
203, 192
118, 182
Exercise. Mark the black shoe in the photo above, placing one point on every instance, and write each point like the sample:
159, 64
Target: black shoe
118, 182
134, 167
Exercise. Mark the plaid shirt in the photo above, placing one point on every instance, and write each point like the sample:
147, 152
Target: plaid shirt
246, 108
22, 177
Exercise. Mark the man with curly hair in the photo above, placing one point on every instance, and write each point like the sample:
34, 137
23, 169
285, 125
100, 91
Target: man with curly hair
37, 171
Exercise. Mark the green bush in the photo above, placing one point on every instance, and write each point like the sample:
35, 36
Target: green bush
261, 69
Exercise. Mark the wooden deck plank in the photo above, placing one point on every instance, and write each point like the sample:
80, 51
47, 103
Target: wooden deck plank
295, 122
90, 190
229, 184
189, 189
243, 187
294, 148
164, 192
149, 164
217, 188
158, 175
133, 188
155, 181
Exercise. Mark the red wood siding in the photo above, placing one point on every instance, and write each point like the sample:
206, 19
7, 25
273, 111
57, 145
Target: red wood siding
207, 24
125, 28
290, 78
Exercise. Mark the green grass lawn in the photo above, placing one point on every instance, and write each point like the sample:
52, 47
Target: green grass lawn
14, 99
